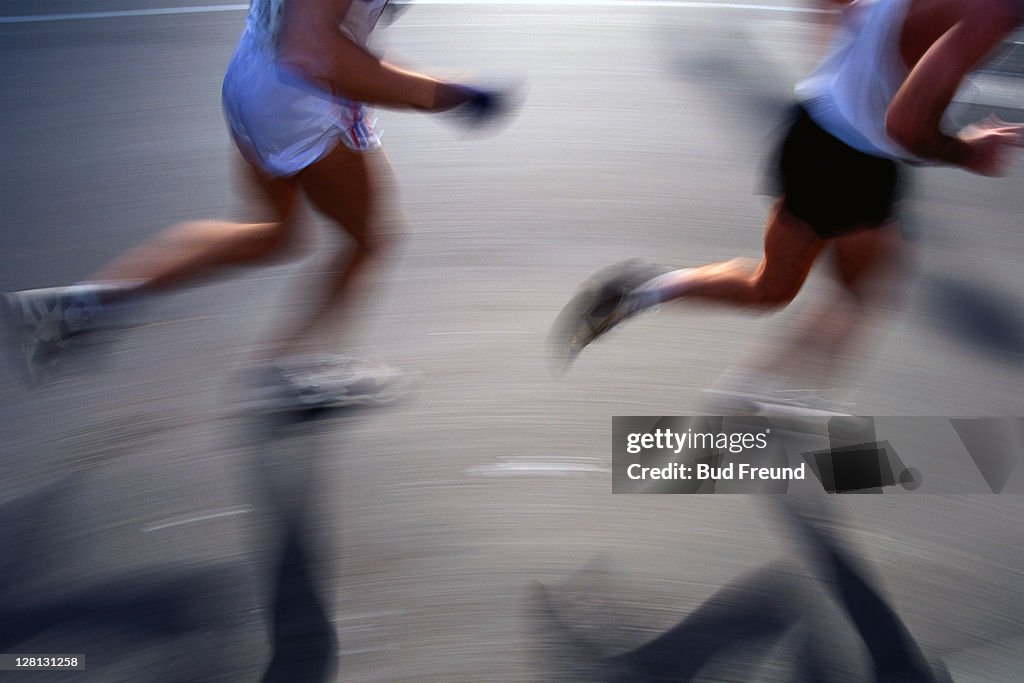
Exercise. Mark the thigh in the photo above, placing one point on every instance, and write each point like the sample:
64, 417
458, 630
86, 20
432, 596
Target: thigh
790, 250
266, 198
351, 188
865, 256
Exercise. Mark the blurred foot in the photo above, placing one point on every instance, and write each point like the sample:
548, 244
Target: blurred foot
750, 393
326, 382
45, 324
605, 302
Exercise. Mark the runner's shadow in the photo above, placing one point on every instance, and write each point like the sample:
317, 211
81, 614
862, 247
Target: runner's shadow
734, 629
143, 605
180, 619
283, 453
304, 645
184, 621
738, 626
894, 655
982, 318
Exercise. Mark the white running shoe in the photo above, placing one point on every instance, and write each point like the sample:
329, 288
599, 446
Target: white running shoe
747, 393
327, 382
44, 323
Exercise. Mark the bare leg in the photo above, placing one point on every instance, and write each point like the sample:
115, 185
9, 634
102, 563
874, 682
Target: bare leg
193, 250
48, 319
790, 249
350, 188
864, 264
344, 185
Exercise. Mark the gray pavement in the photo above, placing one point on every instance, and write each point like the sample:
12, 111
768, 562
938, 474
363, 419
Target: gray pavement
144, 515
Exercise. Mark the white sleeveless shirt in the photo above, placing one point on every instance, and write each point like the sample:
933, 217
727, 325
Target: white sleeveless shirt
265, 18
848, 94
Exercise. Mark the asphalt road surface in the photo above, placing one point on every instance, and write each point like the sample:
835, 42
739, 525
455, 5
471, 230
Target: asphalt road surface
151, 525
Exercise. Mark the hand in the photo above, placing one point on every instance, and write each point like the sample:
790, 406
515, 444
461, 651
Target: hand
480, 106
990, 145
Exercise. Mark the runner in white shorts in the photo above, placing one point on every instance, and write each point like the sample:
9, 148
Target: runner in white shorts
294, 96
281, 122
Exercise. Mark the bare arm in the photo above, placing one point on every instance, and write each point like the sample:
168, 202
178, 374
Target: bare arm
915, 114
312, 43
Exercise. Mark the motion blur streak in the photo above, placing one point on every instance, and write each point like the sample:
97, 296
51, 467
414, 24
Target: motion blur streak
374, 548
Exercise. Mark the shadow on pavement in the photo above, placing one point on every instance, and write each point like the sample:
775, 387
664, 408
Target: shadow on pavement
739, 627
185, 622
980, 317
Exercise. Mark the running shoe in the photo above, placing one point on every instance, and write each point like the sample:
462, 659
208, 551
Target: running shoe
747, 392
811, 411
44, 323
601, 305
783, 403
326, 382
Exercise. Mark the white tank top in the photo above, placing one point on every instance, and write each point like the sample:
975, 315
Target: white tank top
265, 17
849, 92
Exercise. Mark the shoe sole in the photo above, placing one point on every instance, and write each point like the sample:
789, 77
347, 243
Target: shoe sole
787, 416
754, 405
606, 284
400, 389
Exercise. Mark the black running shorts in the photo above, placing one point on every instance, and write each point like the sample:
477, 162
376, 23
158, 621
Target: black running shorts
830, 186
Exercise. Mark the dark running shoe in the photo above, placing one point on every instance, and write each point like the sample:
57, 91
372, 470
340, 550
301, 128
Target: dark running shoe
602, 304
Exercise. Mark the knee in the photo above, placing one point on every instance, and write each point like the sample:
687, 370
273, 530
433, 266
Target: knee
379, 238
278, 242
273, 243
773, 296
373, 245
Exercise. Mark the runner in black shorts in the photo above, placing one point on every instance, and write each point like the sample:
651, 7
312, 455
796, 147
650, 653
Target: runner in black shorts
875, 102
831, 187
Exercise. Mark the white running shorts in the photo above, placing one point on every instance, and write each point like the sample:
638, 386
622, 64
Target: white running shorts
283, 124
